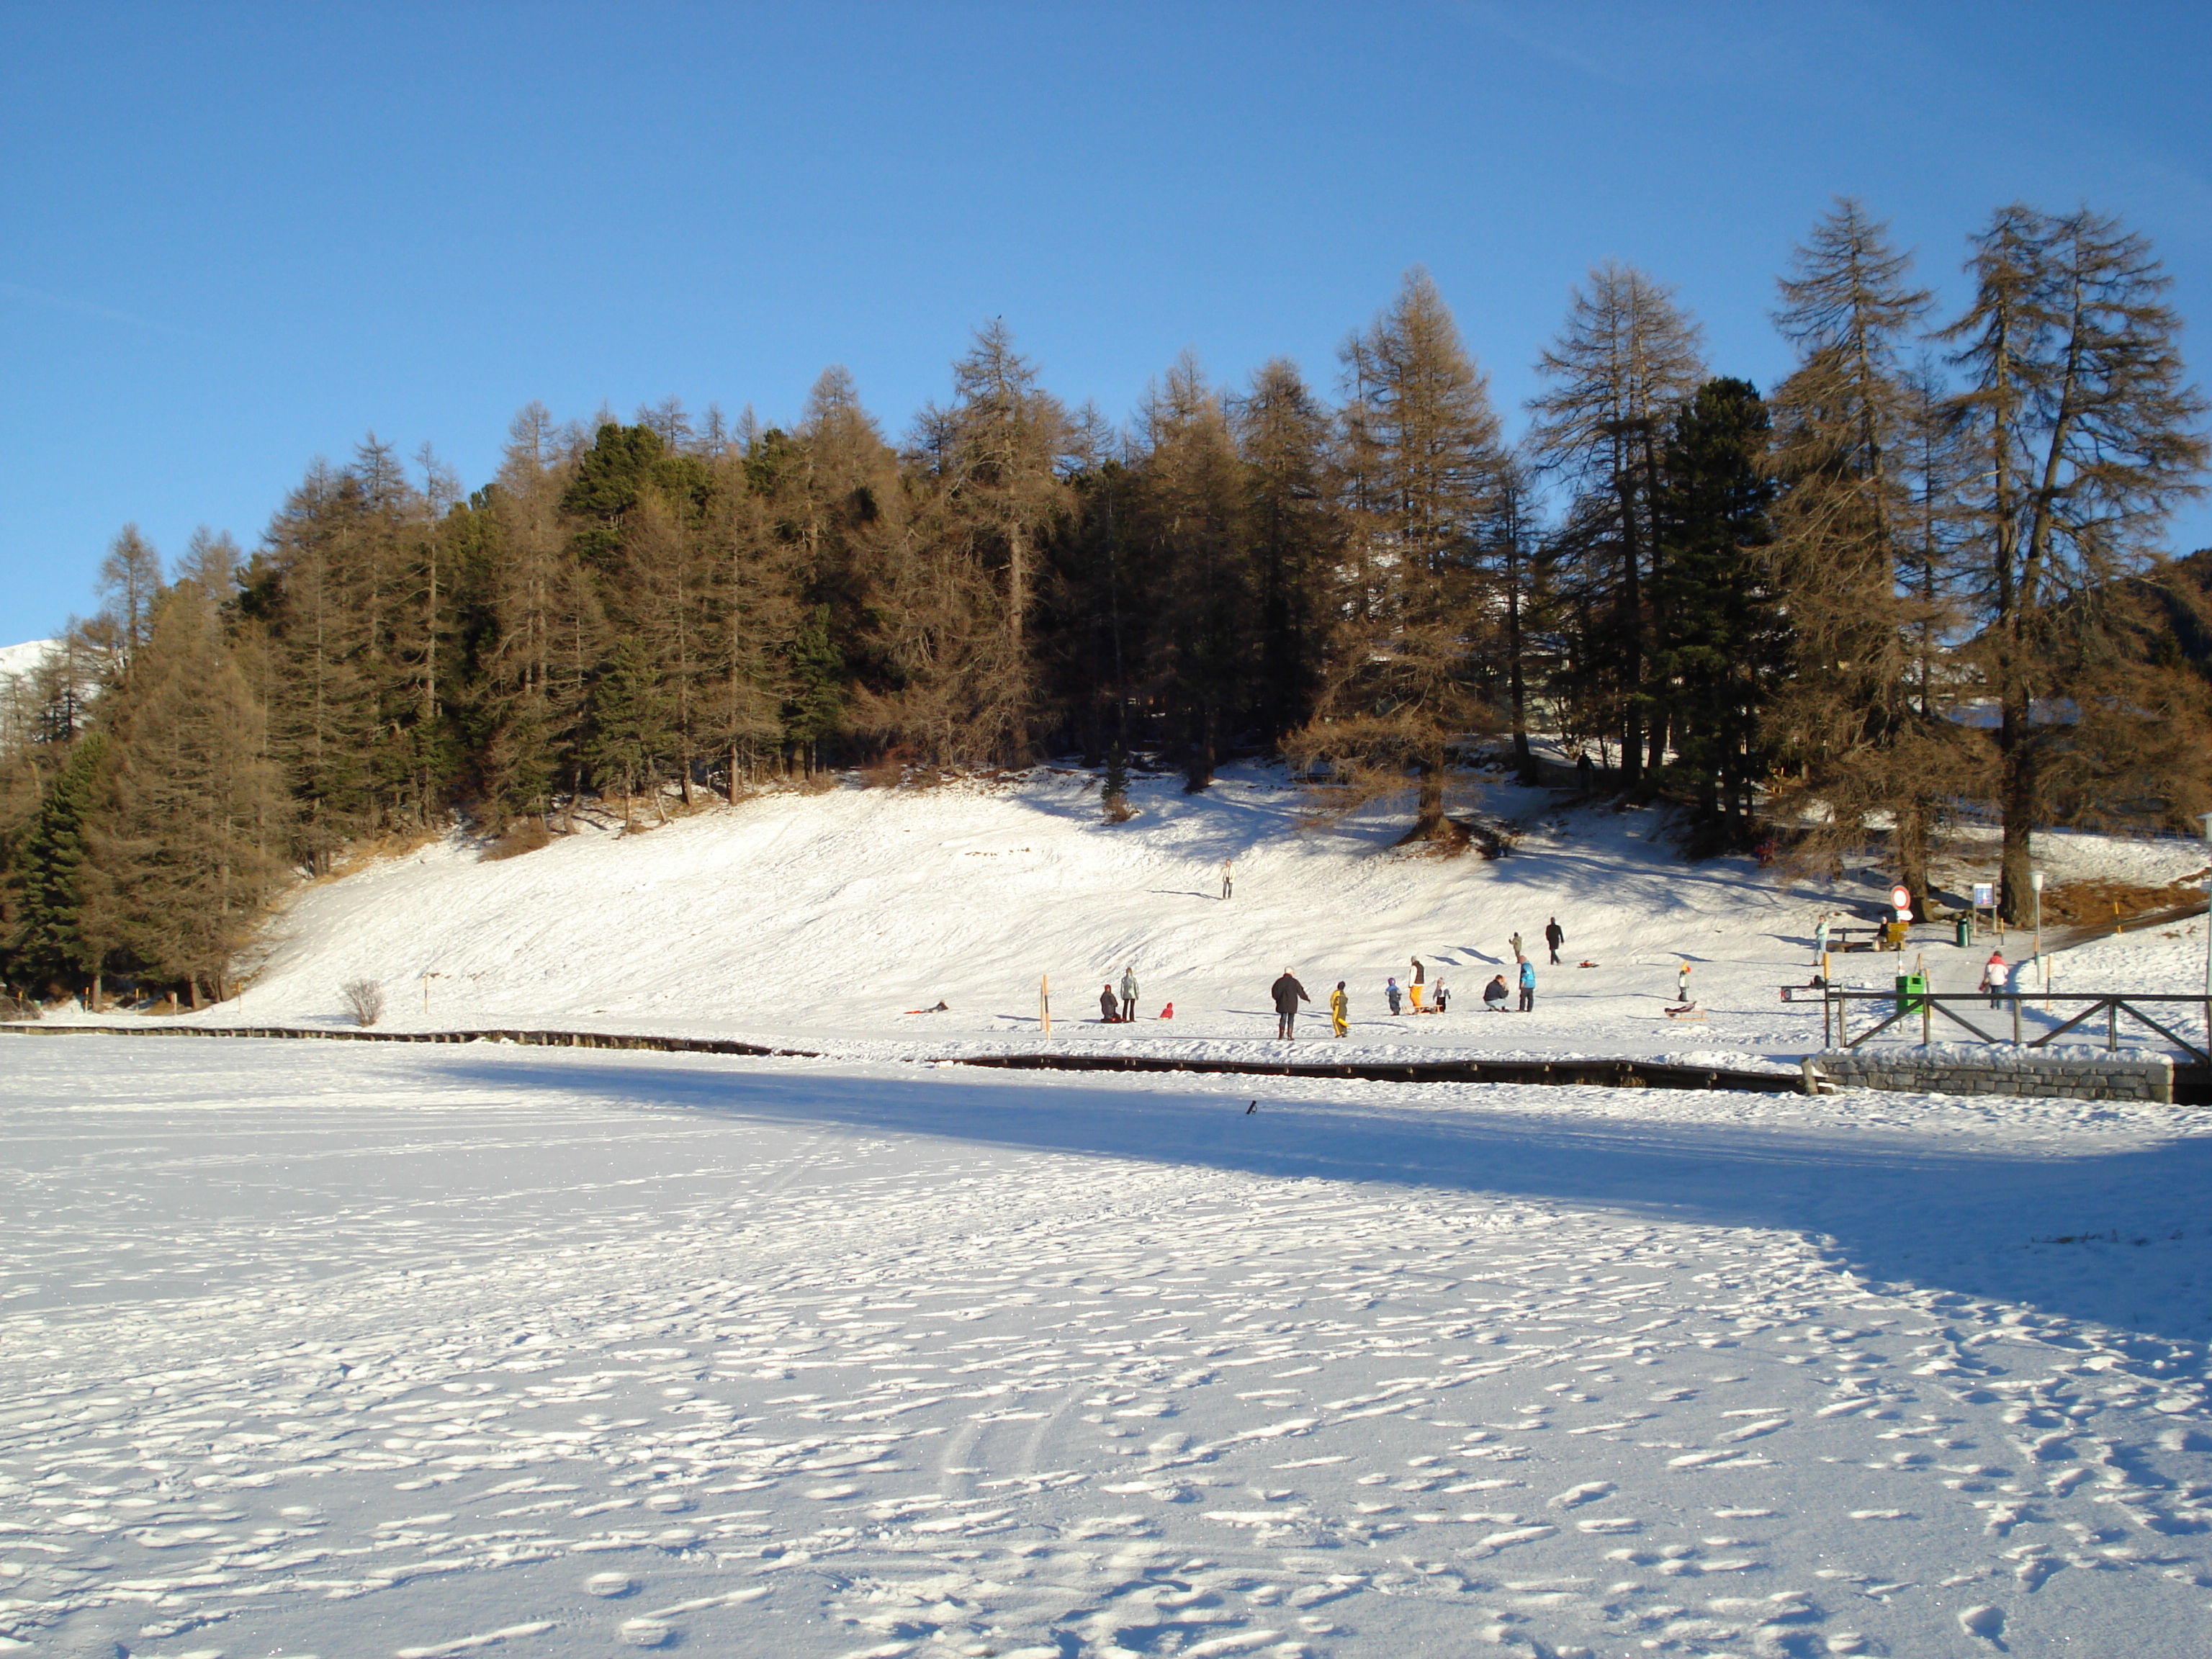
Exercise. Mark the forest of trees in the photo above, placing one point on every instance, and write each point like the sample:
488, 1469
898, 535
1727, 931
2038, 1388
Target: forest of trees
1920, 576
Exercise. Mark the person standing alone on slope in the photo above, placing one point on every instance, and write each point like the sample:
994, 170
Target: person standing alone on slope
1288, 993
1554, 936
1340, 1011
1527, 986
1129, 994
1227, 872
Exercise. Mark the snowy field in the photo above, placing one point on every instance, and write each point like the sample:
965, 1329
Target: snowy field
312, 1349
818, 921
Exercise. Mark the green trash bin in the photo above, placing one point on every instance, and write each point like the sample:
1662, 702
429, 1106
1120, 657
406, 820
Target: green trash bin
1966, 932
1911, 991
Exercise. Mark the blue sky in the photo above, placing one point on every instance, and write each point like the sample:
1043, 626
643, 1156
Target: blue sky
238, 237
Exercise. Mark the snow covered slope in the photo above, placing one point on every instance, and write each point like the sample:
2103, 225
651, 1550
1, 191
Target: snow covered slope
19, 659
829, 916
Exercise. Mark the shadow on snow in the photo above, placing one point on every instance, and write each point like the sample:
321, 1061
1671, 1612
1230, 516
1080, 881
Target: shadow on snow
1979, 1223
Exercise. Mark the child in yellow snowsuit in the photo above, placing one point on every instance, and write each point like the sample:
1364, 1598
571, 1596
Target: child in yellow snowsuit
1339, 1006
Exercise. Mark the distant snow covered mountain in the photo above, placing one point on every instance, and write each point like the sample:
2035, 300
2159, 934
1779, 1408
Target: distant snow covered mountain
20, 659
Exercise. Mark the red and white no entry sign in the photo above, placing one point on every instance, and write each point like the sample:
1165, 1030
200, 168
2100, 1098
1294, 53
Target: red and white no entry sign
1900, 898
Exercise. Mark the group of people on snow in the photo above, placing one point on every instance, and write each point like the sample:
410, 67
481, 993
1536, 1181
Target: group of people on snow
1287, 993
1122, 1009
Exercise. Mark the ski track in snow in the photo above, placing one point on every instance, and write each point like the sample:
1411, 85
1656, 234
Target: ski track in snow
432, 1353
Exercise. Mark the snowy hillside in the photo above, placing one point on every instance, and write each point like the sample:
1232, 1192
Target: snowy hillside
829, 916
19, 659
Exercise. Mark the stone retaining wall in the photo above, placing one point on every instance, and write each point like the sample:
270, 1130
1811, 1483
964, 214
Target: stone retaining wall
1953, 1069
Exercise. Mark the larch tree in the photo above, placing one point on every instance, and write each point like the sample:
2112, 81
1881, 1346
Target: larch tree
2085, 434
1189, 506
956, 576
189, 813
1511, 541
131, 580
1855, 714
1422, 462
544, 627
996, 453
1627, 359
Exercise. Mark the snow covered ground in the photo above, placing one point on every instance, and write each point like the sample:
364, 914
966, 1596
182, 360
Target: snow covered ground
336, 1350
820, 919
339, 1350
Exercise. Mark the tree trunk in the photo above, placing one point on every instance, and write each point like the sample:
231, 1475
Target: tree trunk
1429, 818
1913, 854
2018, 787
1631, 654
1524, 762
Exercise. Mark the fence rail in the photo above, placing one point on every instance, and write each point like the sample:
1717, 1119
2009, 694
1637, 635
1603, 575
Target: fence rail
1835, 1015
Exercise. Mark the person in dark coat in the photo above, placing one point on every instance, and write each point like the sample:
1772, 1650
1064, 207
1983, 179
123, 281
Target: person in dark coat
1288, 993
1494, 995
1109, 1009
1554, 936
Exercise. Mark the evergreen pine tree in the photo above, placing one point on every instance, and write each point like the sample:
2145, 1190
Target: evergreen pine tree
628, 737
1283, 433
1717, 663
52, 942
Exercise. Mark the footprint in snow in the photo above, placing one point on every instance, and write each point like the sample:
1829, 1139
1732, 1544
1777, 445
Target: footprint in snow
1986, 1622
1588, 1492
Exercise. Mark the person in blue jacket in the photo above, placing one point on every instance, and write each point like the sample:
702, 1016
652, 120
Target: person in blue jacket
1527, 986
